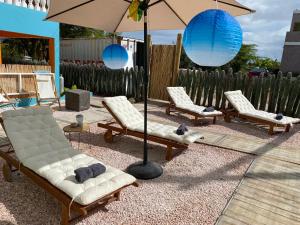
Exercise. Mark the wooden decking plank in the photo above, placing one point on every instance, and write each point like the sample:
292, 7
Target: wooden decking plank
226, 220
276, 190
283, 179
260, 148
251, 214
283, 164
269, 203
276, 174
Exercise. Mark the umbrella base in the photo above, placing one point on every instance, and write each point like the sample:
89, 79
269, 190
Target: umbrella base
145, 172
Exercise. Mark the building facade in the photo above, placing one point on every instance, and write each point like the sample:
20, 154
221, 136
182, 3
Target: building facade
291, 53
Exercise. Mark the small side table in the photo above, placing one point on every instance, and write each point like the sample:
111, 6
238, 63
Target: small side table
77, 100
85, 128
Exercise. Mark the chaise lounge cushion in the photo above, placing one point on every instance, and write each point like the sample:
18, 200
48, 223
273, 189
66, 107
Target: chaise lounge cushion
244, 107
169, 132
239, 101
41, 146
133, 120
128, 115
271, 117
183, 101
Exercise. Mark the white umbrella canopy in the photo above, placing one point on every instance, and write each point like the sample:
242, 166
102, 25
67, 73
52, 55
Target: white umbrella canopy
111, 15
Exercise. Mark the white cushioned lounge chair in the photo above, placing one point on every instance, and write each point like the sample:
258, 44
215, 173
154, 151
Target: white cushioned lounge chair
180, 101
47, 158
245, 110
131, 122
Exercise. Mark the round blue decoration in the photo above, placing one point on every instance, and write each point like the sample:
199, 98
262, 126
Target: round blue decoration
115, 56
212, 38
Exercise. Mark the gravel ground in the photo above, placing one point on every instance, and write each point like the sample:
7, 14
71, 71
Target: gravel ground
194, 188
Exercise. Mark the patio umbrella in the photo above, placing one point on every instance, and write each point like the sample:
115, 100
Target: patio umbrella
111, 16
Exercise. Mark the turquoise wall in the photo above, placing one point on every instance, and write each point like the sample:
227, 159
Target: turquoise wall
28, 21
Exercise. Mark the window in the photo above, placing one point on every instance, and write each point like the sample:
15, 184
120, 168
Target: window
297, 26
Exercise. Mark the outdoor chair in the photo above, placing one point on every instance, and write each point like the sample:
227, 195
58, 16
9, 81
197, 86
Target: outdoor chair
44, 155
180, 101
46, 89
129, 121
6, 102
245, 110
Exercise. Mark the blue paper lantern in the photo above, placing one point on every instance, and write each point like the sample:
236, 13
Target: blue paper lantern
212, 38
115, 56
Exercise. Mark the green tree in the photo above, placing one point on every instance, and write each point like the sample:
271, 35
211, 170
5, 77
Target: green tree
268, 63
16, 49
244, 59
72, 31
241, 62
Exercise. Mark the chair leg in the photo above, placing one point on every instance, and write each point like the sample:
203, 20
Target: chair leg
7, 172
169, 153
168, 110
64, 215
108, 136
288, 127
227, 118
271, 130
117, 195
214, 120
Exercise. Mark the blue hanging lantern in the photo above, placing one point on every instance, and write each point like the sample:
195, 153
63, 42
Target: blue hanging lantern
115, 56
212, 38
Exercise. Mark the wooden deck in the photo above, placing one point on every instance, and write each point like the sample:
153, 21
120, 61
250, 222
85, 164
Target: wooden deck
269, 194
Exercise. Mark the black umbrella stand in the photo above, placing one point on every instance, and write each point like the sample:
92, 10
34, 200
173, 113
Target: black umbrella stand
146, 169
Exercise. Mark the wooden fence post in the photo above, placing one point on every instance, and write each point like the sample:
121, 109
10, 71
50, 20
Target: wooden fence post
177, 57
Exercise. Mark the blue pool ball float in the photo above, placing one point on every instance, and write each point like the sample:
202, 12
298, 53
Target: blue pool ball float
212, 38
115, 56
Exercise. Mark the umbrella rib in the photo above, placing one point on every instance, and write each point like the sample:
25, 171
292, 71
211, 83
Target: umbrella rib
70, 9
176, 14
121, 18
241, 7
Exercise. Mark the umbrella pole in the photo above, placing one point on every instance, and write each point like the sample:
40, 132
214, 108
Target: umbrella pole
145, 170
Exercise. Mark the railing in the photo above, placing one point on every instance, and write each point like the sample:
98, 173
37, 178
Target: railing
38, 5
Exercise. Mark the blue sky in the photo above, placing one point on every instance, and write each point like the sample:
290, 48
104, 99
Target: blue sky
266, 28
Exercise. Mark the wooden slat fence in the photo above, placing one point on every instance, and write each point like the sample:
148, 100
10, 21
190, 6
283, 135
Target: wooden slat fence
103, 81
273, 93
15, 68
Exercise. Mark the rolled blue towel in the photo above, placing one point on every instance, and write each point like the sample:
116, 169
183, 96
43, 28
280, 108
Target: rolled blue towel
279, 116
82, 174
209, 109
97, 169
181, 129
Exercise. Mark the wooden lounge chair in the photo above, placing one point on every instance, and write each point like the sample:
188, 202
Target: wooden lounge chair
44, 155
181, 102
5, 101
129, 121
243, 108
46, 89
